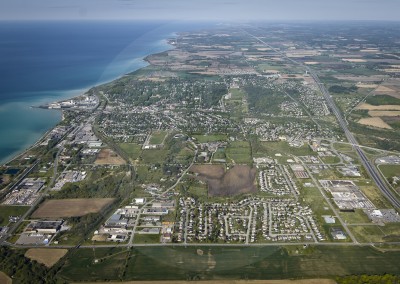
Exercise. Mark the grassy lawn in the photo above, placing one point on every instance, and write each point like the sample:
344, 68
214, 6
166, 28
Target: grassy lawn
132, 149
157, 137
6, 211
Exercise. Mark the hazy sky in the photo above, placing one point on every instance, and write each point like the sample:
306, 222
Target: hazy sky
224, 10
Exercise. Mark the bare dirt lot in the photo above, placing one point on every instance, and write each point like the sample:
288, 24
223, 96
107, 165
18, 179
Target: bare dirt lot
108, 157
62, 208
302, 281
237, 180
375, 122
48, 257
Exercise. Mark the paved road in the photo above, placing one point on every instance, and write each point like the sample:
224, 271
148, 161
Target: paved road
350, 137
216, 245
364, 160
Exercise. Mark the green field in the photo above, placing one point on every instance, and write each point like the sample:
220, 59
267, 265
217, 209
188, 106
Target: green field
373, 193
356, 217
6, 211
154, 156
210, 138
82, 265
375, 233
133, 150
382, 100
185, 155
146, 238
330, 159
146, 174
237, 94
157, 137
390, 170
313, 197
272, 148
239, 152
220, 154
270, 262
199, 191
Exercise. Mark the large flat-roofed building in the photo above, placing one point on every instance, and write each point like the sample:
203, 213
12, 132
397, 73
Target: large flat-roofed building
346, 195
44, 227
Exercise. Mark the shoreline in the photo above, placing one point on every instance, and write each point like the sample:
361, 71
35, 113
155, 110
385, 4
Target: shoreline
84, 90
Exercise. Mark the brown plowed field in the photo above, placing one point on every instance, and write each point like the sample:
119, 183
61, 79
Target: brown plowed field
48, 257
237, 180
108, 157
63, 208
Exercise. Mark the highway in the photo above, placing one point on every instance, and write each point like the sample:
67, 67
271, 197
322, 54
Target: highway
350, 137
364, 160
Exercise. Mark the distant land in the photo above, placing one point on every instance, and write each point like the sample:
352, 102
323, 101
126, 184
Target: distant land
243, 153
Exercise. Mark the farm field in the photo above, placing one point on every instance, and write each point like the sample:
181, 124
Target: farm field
237, 180
62, 208
94, 264
375, 122
4, 279
224, 263
384, 113
239, 152
108, 157
48, 257
378, 107
288, 281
